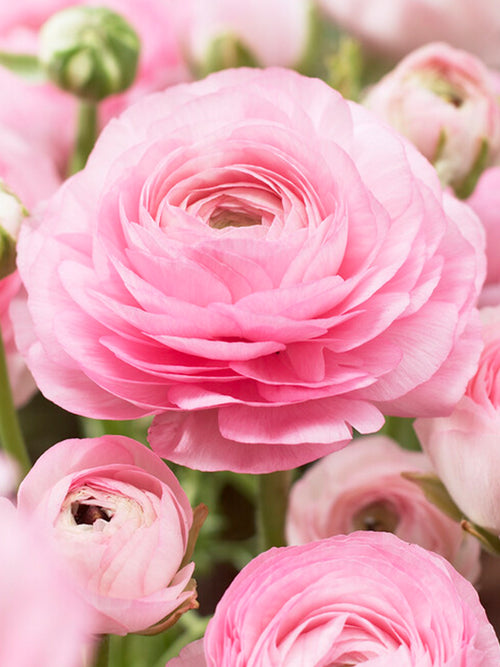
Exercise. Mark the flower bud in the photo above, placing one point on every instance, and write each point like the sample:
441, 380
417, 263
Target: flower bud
91, 52
12, 213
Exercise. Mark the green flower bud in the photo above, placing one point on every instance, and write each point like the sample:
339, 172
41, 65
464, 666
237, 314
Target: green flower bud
12, 213
89, 51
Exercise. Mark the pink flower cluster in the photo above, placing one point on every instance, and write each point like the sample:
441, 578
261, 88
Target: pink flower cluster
261, 275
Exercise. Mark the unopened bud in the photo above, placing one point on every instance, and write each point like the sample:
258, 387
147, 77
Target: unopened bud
91, 52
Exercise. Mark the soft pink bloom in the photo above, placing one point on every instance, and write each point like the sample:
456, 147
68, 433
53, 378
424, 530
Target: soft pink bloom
274, 31
444, 101
261, 264
46, 115
361, 488
43, 621
485, 201
121, 520
464, 447
365, 598
31, 176
396, 27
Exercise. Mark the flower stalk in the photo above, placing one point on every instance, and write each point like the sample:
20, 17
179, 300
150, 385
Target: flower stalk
11, 436
271, 508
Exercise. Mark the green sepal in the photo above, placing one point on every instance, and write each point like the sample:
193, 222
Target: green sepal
24, 65
227, 51
466, 187
8, 253
489, 541
435, 492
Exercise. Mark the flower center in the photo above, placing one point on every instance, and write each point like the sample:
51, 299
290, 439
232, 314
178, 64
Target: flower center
222, 218
378, 516
88, 514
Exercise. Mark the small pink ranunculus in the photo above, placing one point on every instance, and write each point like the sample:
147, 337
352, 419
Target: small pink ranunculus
464, 446
259, 263
444, 101
485, 201
365, 598
121, 521
362, 488
43, 621
395, 27
275, 32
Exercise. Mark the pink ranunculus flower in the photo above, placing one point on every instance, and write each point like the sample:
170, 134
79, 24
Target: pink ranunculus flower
31, 177
464, 446
121, 521
362, 488
43, 621
275, 32
51, 127
259, 263
364, 598
485, 201
443, 99
395, 27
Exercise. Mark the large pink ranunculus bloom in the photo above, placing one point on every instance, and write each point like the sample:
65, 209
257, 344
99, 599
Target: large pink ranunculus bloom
464, 447
31, 177
275, 32
485, 201
444, 100
259, 263
52, 127
365, 598
121, 521
396, 27
43, 621
362, 488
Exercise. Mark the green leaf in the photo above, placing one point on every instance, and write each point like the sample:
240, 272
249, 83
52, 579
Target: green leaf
26, 66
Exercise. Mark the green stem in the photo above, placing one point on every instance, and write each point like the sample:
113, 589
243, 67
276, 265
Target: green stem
86, 135
11, 437
272, 504
101, 658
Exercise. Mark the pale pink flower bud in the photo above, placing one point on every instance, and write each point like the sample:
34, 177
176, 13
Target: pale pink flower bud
444, 101
464, 446
361, 487
122, 522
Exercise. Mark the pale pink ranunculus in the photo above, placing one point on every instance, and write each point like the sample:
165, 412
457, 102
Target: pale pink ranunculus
366, 598
31, 177
121, 521
47, 115
362, 488
464, 447
444, 100
485, 201
393, 28
259, 263
275, 32
43, 621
